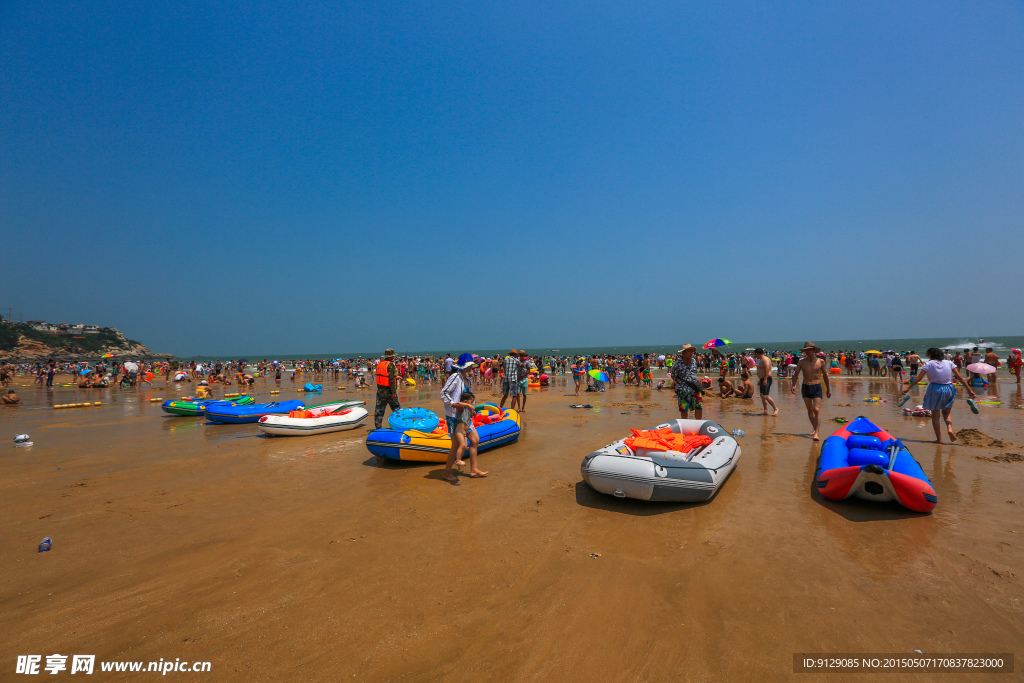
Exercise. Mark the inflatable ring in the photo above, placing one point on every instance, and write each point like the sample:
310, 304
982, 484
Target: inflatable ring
308, 386
489, 409
410, 381
883, 372
419, 419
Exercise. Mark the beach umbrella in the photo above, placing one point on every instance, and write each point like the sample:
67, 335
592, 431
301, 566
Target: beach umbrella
981, 369
749, 348
661, 357
131, 367
872, 351
712, 343
599, 375
107, 355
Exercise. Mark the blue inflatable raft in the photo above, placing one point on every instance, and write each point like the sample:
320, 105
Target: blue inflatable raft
865, 461
494, 427
225, 413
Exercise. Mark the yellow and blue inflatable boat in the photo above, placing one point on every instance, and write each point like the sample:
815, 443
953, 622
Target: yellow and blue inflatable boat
494, 426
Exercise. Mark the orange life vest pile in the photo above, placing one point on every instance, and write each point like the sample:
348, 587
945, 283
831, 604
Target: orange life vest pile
664, 440
480, 420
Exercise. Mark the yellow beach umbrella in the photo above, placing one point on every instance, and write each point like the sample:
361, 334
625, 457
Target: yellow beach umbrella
872, 351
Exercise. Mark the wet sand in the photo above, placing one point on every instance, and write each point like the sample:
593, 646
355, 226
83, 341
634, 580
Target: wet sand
306, 558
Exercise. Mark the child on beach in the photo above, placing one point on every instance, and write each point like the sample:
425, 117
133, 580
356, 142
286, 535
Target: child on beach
460, 428
458, 398
577, 375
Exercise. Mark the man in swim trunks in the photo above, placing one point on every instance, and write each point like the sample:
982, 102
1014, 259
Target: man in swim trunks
688, 386
992, 359
764, 380
815, 372
914, 361
725, 388
746, 387
10, 398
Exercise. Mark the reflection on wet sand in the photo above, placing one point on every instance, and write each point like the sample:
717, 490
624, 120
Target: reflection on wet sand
212, 542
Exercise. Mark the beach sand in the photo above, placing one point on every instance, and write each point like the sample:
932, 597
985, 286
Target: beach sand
306, 558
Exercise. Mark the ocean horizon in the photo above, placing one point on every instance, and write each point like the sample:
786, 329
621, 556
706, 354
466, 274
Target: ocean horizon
1001, 345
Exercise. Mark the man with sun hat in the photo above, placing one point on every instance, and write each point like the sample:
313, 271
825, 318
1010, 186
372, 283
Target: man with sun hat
815, 374
689, 390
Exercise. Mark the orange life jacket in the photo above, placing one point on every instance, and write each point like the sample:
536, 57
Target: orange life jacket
665, 440
383, 380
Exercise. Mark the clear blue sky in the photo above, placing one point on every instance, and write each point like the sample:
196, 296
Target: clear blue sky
221, 177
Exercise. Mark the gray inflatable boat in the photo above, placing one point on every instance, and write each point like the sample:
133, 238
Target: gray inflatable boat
656, 475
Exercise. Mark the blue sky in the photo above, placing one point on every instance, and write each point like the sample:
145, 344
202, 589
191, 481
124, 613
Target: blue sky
286, 177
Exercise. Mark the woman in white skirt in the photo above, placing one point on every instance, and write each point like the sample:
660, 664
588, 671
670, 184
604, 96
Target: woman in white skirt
941, 391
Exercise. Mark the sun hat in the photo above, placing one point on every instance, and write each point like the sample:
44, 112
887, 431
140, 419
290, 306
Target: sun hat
810, 345
389, 353
685, 347
465, 361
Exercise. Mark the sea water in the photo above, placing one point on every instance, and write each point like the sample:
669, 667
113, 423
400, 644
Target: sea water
1001, 345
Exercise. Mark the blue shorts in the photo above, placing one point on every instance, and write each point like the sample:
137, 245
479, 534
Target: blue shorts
450, 421
811, 391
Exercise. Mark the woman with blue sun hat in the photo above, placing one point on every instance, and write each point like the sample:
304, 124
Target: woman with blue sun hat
455, 410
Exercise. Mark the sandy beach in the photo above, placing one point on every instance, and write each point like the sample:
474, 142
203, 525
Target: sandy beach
307, 559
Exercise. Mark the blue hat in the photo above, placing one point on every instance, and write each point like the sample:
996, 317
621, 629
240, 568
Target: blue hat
465, 361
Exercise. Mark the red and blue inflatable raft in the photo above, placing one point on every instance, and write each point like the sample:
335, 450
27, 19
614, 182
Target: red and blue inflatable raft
865, 461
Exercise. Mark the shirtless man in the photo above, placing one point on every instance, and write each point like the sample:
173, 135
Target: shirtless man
725, 388
745, 389
914, 361
993, 360
10, 398
815, 373
764, 381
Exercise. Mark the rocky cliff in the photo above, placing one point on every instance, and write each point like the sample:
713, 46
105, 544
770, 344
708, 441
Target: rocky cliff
67, 348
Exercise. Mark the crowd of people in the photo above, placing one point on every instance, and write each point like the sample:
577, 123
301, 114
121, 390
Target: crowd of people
512, 374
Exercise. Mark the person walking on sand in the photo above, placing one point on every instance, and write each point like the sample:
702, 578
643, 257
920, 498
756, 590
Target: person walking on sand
577, 374
764, 381
941, 392
689, 390
458, 415
387, 388
510, 383
815, 372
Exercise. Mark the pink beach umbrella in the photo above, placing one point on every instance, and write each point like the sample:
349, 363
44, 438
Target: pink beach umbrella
981, 369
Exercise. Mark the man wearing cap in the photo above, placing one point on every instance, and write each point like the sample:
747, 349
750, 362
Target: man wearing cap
387, 387
510, 384
815, 373
688, 385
